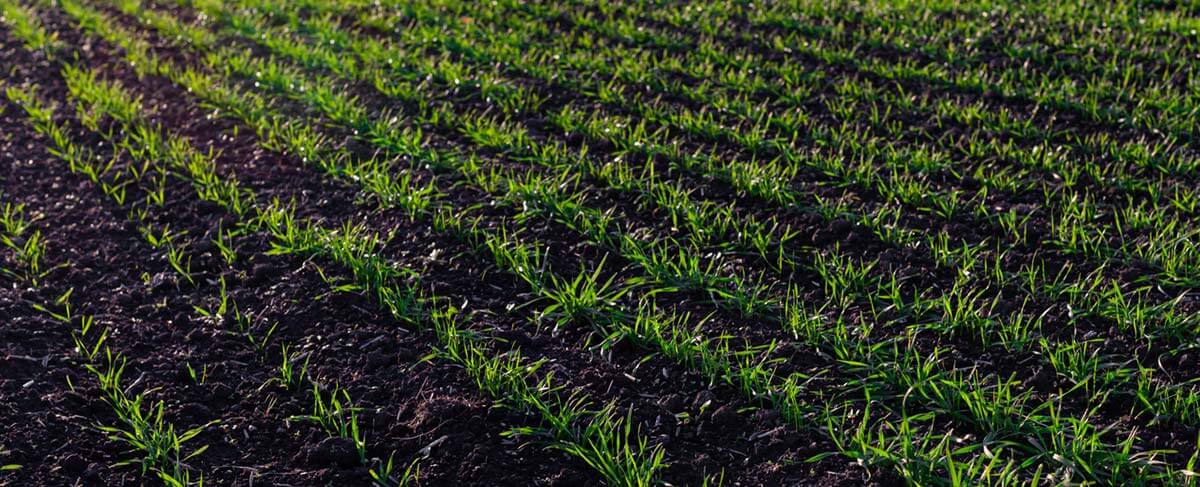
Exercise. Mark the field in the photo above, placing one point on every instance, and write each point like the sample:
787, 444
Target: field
599, 242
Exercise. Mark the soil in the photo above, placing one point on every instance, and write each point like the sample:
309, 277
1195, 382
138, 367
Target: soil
410, 406
415, 406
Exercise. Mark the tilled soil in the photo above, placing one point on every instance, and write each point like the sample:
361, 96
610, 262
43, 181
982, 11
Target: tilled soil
413, 406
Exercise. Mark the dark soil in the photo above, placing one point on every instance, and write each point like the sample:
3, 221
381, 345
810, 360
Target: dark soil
414, 406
